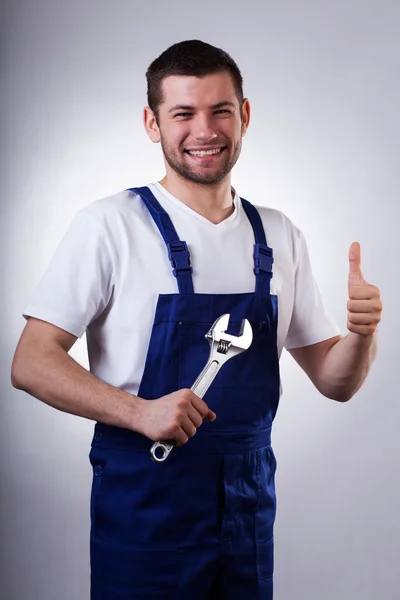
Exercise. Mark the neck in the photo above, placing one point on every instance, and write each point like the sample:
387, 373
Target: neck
213, 202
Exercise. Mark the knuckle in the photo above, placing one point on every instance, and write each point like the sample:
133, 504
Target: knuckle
185, 402
182, 402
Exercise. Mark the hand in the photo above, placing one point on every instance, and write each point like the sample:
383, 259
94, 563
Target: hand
364, 305
174, 418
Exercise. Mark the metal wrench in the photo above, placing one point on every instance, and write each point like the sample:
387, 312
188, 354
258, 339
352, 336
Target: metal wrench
222, 347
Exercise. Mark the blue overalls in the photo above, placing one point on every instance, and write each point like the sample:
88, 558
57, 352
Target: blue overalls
198, 526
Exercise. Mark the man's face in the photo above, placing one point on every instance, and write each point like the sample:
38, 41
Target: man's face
201, 127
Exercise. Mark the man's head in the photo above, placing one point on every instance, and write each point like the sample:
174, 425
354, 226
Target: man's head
196, 110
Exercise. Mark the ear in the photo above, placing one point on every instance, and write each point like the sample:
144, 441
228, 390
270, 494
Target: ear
150, 124
245, 115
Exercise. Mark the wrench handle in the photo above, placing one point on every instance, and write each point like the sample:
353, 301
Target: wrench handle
199, 387
205, 378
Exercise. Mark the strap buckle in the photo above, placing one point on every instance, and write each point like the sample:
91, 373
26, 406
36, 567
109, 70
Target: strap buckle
179, 255
263, 259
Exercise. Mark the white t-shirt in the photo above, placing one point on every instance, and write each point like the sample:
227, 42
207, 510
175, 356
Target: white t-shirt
112, 264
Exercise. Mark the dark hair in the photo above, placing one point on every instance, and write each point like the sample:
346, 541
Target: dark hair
191, 57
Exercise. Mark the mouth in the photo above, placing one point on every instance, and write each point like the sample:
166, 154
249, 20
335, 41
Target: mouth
205, 153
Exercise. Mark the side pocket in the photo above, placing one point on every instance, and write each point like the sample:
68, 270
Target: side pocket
272, 460
266, 515
97, 478
265, 560
266, 502
96, 483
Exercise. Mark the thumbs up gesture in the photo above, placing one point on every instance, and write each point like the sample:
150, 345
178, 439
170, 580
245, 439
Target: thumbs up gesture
364, 305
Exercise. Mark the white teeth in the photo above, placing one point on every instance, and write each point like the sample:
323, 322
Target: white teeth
204, 152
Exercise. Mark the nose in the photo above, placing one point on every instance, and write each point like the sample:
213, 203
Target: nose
203, 128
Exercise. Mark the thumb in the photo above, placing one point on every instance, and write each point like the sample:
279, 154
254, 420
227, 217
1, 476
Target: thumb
355, 274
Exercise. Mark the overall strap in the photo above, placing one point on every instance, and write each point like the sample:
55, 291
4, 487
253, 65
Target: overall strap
263, 255
178, 252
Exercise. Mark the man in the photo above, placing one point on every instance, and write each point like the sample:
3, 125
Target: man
145, 273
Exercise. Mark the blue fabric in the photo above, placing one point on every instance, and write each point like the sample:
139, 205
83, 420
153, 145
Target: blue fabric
178, 252
200, 524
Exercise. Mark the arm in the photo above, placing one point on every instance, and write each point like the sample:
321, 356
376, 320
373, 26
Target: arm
43, 368
75, 289
339, 366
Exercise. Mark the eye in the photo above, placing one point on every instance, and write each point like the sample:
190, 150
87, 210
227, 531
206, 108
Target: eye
222, 110
183, 114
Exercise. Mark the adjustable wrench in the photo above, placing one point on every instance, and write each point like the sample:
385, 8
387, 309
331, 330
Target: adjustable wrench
222, 347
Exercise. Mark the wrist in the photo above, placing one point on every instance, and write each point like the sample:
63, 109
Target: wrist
134, 414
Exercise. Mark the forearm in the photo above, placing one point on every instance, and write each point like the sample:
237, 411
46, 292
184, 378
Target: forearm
346, 366
54, 377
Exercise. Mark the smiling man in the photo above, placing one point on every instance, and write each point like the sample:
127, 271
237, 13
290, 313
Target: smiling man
145, 274
201, 138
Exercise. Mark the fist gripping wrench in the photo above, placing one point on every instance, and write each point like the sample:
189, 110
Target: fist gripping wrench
222, 347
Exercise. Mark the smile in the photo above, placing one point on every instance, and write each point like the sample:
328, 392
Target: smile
205, 152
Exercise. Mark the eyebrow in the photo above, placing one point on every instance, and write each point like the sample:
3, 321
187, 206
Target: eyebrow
188, 107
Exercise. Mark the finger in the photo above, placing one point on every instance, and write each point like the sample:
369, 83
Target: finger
177, 438
362, 329
369, 305
355, 274
195, 417
203, 409
181, 438
362, 318
210, 416
188, 427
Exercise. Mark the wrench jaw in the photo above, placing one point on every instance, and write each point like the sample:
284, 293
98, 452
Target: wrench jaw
218, 327
246, 335
230, 343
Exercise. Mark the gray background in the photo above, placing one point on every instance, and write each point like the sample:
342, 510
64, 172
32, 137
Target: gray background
322, 77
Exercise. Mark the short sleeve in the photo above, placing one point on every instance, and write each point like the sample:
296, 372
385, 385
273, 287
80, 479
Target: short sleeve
311, 322
78, 283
